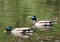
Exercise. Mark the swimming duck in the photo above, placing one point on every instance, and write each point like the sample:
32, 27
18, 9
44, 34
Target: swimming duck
24, 32
41, 24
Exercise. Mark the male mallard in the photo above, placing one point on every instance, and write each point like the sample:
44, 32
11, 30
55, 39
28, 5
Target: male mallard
25, 32
41, 24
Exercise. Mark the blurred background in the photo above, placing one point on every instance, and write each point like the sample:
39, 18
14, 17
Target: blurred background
15, 13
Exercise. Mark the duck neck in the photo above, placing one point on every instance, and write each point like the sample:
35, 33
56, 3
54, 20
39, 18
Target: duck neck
33, 22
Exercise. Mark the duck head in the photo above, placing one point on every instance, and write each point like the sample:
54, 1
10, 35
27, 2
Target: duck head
33, 18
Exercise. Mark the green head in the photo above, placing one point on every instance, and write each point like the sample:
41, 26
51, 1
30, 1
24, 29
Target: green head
9, 28
33, 18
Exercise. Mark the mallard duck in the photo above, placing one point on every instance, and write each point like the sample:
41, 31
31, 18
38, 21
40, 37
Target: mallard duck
25, 32
41, 24
21, 33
